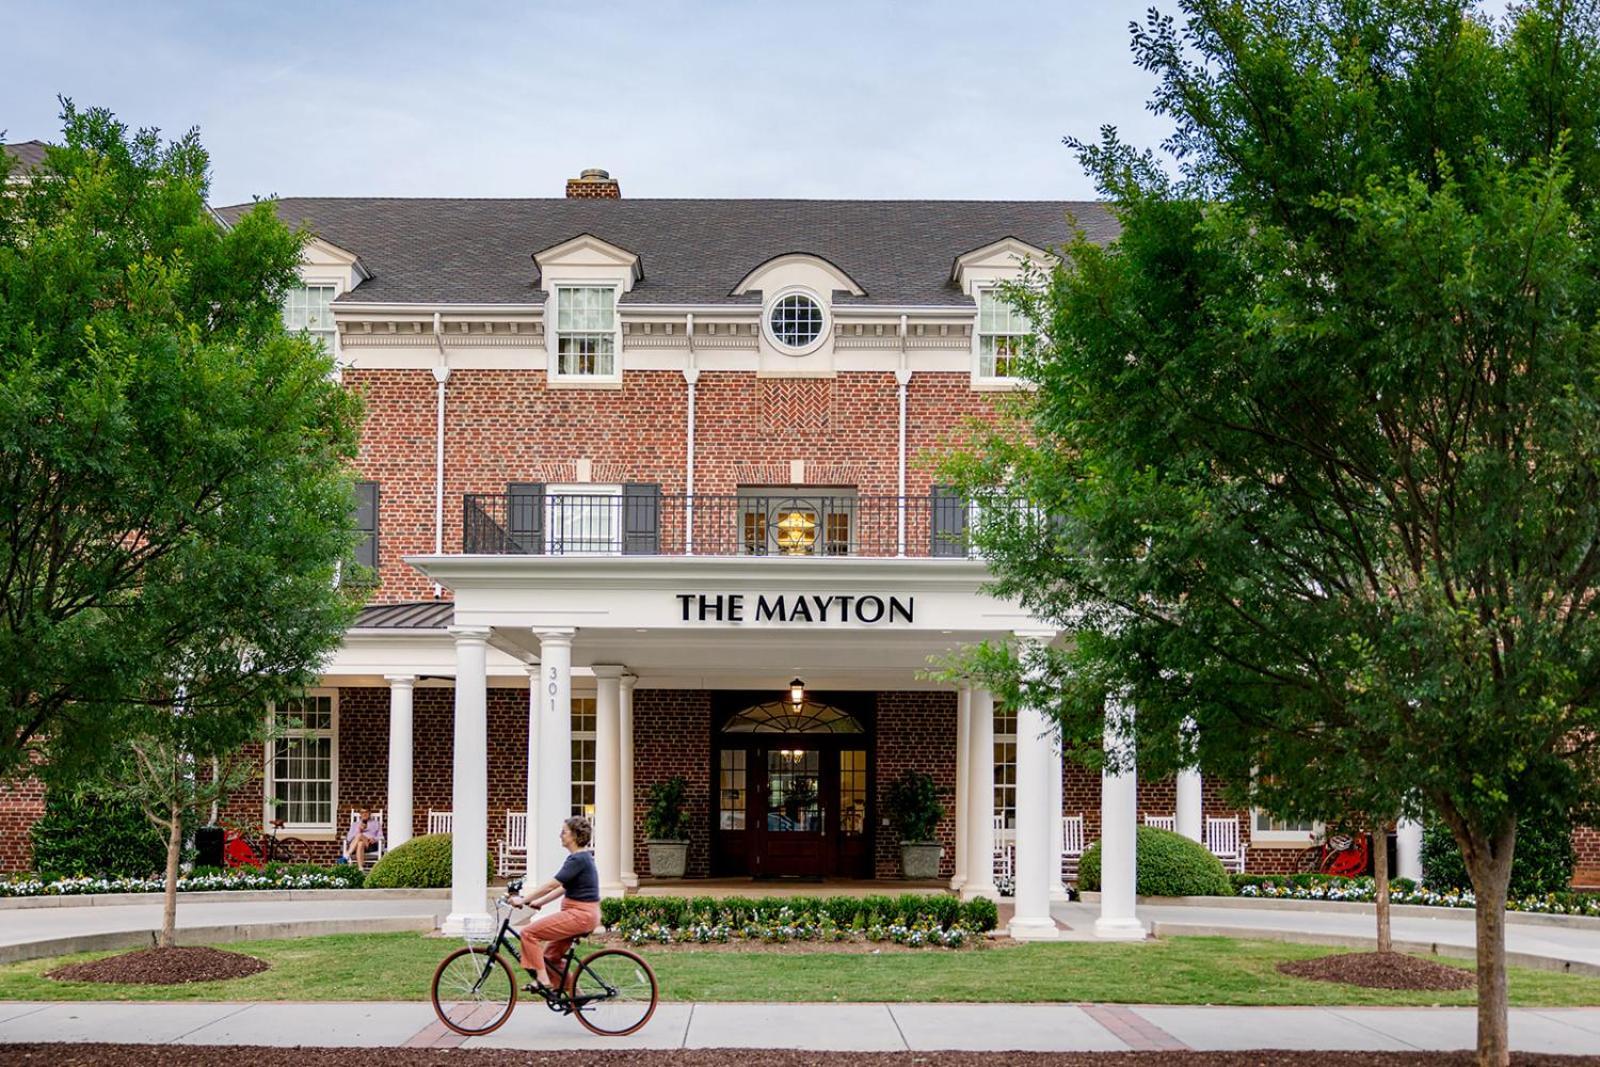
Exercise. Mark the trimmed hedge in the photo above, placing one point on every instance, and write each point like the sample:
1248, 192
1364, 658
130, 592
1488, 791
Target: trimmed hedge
421, 863
908, 909
95, 837
1542, 861
1169, 865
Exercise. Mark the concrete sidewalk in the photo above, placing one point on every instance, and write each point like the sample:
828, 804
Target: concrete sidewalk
823, 1027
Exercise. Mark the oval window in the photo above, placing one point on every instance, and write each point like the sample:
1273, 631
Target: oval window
795, 321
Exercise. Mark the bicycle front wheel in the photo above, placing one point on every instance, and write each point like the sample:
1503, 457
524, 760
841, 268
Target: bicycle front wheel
615, 992
474, 991
290, 850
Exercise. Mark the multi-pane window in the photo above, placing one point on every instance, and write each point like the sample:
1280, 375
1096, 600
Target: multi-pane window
795, 320
583, 519
852, 791
1002, 332
310, 308
731, 788
1005, 766
1266, 824
366, 554
586, 330
583, 755
304, 763
777, 522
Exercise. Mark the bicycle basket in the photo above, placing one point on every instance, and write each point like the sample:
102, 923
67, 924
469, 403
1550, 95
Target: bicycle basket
479, 929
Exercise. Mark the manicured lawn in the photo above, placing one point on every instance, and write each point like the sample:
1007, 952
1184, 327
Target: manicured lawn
1177, 971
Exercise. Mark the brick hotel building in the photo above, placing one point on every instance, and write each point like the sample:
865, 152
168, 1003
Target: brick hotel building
630, 468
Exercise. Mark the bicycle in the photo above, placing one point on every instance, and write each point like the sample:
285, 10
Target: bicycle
1338, 853
242, 850
474, 989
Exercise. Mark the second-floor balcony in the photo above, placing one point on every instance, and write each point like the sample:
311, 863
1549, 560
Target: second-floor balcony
640, 520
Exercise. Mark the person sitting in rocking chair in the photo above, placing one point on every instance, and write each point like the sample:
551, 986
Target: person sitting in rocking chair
545, 940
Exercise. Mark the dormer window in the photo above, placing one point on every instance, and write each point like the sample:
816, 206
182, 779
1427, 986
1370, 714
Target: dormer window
796, 322
309, 308
586, 331
1002, 333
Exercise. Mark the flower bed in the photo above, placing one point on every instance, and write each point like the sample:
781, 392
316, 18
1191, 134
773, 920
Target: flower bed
274, 876
1401, 891
906, 920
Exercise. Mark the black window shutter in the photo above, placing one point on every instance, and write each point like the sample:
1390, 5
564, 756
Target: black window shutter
525, 516
641, 519
948, 521
367, 523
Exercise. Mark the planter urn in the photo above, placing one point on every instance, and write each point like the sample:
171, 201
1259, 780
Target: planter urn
919, 860
668, 859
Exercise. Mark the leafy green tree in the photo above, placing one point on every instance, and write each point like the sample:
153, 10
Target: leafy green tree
84, 834
174, 492
1319, 433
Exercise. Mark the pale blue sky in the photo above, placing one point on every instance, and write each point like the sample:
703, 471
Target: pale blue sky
469, 98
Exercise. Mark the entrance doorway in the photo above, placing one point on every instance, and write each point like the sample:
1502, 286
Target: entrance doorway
793, 794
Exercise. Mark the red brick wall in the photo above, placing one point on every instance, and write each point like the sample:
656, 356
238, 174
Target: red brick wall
672, 735
21, 804
504, 426
915, 731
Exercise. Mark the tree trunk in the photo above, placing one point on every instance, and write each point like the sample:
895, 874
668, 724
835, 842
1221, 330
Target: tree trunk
1380, 876
169, 905
1488, 861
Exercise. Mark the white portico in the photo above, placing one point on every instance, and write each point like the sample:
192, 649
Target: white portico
715, 624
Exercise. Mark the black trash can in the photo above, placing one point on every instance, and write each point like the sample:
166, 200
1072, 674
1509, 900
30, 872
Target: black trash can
208, 846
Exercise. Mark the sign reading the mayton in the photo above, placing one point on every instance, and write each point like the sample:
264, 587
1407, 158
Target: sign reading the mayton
795, 607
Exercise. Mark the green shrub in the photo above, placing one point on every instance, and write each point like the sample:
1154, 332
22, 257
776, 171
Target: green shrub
980, 914
912, 804
942, 910
1541, 861
666, 819
82, 835
1169, 865
421, 863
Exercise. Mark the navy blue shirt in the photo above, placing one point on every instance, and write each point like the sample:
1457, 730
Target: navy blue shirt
578, 876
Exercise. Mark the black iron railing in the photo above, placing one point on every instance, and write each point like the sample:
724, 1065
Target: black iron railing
640, 521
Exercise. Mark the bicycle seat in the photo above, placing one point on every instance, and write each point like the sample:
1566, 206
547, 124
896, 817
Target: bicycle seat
277, 824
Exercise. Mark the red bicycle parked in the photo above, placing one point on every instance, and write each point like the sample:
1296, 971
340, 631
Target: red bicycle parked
241, 849
1339, 852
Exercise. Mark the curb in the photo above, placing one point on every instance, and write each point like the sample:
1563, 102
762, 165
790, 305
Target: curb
1427, 948
211, 935
217, 896
1416, 911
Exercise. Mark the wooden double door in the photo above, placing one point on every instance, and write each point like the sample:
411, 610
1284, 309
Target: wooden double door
792, 806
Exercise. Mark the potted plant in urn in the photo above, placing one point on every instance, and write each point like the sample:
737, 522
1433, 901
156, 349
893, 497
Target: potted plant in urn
666, 828
915, 811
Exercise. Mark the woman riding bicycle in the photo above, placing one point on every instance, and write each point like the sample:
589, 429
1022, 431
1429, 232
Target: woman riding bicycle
545, 940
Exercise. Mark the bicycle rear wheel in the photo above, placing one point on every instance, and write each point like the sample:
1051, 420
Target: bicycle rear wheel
474, 991
615, 992
290, 850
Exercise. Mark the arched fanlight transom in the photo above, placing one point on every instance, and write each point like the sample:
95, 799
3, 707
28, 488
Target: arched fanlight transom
783, 717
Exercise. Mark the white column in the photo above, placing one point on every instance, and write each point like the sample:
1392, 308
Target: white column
1408, 850
630, 877
1058, 888
980, 799
535, 702
469, 793
608, 778
963, 786
1031, 920
554, 773
399, 813
1119, 803
1190, 817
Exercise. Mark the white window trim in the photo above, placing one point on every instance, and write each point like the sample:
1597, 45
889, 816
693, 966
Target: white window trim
328, 830
822, 334
980, 381
336, 283
1005, 833
582, 489
1281, 838
584, 735
552, 334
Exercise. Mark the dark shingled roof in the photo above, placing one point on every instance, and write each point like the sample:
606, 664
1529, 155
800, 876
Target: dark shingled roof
691, 251
28, 154
413, 615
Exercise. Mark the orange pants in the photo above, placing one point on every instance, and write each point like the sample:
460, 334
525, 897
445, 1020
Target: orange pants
558, 932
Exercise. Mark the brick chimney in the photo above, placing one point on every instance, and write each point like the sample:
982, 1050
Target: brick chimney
593, 184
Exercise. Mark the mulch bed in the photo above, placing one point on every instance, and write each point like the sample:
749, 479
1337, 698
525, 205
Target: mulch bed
162, 966
64, 1055
1381, 970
